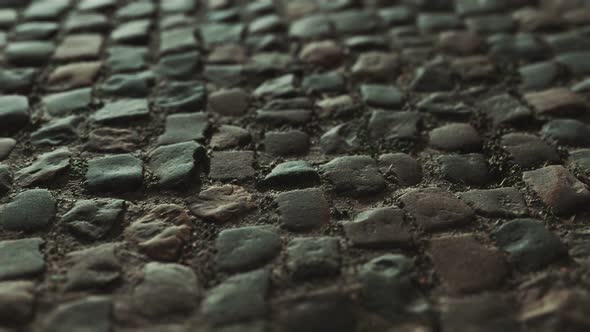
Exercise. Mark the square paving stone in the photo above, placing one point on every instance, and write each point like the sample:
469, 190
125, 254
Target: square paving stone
531, 246
63, 103
29, 53
30, 210
303, 209
116, 173
500, 202
21, 258
122, 111
245, 248
230, 165
14, 112
73, 75
354, 176
311, 257
174, 165
184, 127
556, 102
76, 47
382, 96
286, 143
383, 227
528, 150
466, 266
239, 298
558, 188
435, 209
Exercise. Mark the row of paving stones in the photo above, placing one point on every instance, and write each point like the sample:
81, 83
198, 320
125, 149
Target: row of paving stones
157, 60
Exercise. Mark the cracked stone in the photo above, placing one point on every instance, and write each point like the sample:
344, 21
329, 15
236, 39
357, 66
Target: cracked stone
45, 168
94, 218
163, 232
221, 203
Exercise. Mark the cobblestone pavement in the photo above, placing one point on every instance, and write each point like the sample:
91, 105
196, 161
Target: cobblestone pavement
309, 165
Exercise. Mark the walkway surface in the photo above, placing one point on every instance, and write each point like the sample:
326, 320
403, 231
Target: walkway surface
310, 165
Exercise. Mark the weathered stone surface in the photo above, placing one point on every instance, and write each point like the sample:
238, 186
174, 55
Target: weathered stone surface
228, 137
354, 175
58, 131
162, 233
116, 173
30, 210
455, 137
303, 209
239, 298
385, 125
379, 227
21, 258
16, 302
500, 202
341, 139
14, 113
186, 96
558, 188
229, 165
469, 169
175, 286
530, 245
73, 75
221, 203
436, 209
76, 47
382, 96
94, 219
310, 257
45, 168
174, 165
528, 151
112, 140
229, 102
567, 132
556, 102
292, 174
287, 143
405, 169
62, 103
505, 109
122, 111
93, 268
184, 127
246, 248
465, 265
92, 313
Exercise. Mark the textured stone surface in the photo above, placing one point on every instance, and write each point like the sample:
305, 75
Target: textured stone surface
29, 210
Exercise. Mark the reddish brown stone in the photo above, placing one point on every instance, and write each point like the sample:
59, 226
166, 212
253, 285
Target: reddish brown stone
465, 265
558, 188
221, 203
323, 53
557, 101
112, 140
